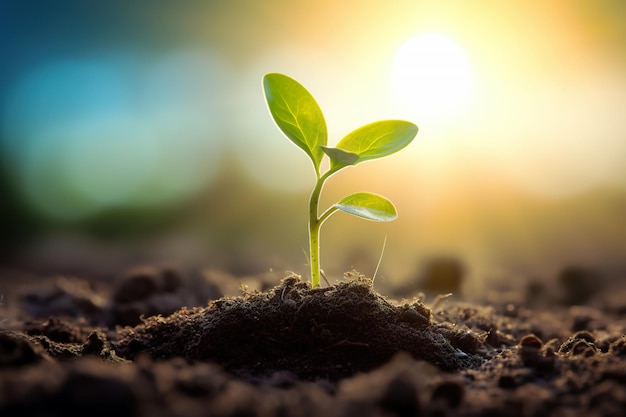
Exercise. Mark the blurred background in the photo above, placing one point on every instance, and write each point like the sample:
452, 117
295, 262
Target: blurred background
136, 131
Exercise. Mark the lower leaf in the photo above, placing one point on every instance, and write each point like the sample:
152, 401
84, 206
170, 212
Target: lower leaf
368, 206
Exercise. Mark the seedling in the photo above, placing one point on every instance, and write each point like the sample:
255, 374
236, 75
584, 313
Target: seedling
300, 118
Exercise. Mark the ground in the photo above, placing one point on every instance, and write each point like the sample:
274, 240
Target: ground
158, 342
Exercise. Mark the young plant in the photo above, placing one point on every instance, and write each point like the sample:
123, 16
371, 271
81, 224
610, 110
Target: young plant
300, 118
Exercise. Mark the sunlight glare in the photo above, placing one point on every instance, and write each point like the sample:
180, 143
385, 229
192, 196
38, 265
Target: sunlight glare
431, 75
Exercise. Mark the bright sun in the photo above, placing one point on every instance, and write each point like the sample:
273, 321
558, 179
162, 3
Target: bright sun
432, 76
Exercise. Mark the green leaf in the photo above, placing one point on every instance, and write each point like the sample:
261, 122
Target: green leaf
297, 114
377, 140
368, 206
340, 157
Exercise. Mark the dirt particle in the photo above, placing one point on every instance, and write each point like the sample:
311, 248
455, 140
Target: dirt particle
515, 378
17, 350
507, 382
584, 348
136, 286
94, 345
96, 393
581, 343
451, 392
530, 341
66, 297
579, 284
400, 398
584, 335
412, 316
618, 347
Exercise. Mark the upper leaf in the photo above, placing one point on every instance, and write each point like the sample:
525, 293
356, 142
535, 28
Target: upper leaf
368, 206
376, 140
297, 114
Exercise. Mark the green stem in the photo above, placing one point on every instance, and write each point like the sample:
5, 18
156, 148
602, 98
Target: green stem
315, 223
314, 250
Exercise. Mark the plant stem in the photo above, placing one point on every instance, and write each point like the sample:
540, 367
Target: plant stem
315, 223
314, 249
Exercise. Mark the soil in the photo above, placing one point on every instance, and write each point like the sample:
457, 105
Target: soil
149, 344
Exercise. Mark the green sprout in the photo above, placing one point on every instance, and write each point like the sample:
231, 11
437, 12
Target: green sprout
300, 118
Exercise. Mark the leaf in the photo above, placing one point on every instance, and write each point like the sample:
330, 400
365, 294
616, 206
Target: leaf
340, 157
368, 206
376, 140
296, 114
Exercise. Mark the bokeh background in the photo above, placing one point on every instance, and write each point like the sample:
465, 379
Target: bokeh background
137, 131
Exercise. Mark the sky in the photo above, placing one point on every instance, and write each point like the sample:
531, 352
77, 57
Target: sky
144, 106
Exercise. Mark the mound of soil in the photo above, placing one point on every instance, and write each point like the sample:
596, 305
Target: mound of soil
330, 333
150, 346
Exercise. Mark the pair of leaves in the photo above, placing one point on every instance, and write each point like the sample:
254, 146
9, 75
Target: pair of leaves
300, 118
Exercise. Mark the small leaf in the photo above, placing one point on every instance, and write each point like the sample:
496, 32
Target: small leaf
368, 206
340, 157
297, 114
377, 139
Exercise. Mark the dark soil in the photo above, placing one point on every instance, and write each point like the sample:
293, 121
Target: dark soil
150, 345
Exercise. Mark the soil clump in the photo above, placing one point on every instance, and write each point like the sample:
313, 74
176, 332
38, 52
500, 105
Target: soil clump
330, 333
